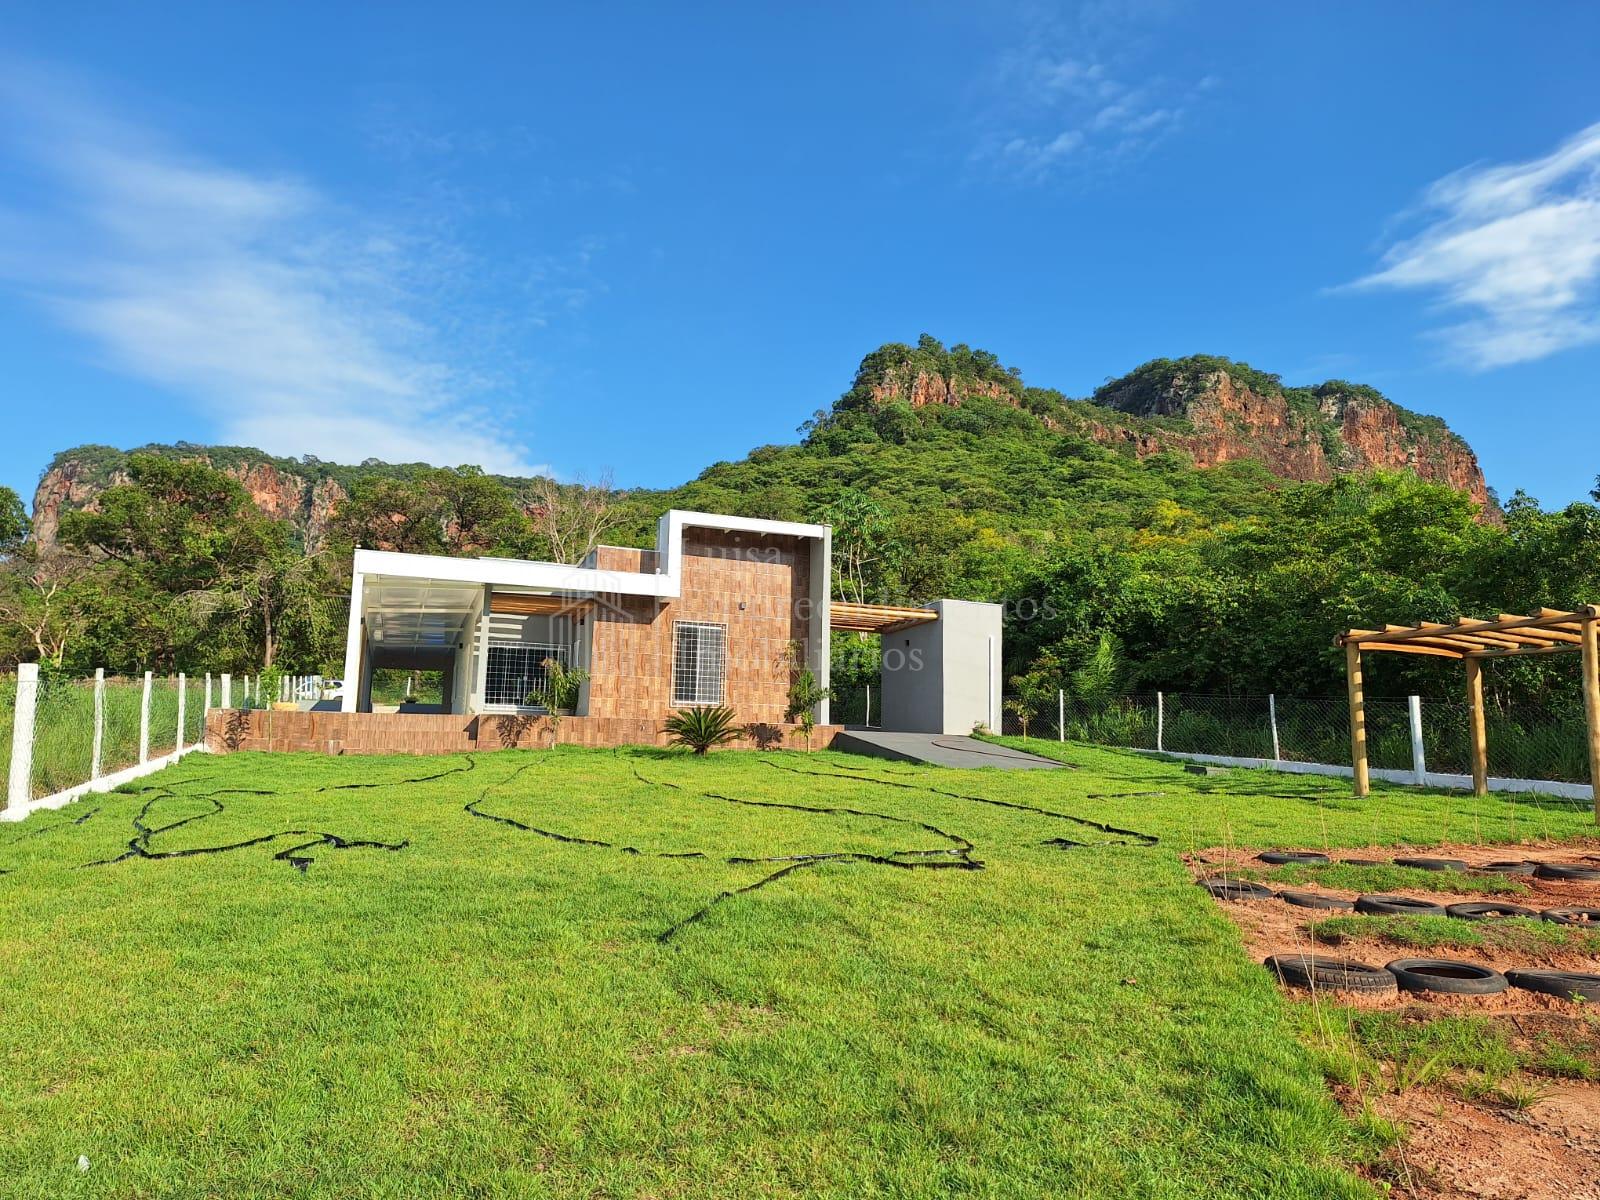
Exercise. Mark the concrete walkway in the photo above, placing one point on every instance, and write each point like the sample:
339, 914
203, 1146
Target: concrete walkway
938, 749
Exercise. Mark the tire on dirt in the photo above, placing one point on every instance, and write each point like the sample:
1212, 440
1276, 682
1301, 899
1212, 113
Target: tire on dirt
1279, 858
1519, 866
1573, 916
1332, 974
1569, 871
1397, 906
1316, 900
1447, 976
1432, 864
1236, 889
1566, 984
1478, 910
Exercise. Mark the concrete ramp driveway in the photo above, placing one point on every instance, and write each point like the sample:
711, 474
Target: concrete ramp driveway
940, 750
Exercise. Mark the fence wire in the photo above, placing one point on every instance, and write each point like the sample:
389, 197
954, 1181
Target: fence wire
1525, 741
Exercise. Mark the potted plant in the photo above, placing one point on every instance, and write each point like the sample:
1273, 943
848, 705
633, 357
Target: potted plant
558, 694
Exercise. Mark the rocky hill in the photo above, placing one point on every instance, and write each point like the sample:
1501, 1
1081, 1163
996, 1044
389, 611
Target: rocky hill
1210, 410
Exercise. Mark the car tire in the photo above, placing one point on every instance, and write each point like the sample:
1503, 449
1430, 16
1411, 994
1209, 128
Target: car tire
1432, 864
1566, 984
1397, 906
1477, 910
1316, 900
1520, 866
1446, 976
1573, 916
1332, 974
1567, 871
1279, 858
1236, 889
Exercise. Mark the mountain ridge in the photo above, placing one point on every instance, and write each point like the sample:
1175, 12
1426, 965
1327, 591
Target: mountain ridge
1212, 411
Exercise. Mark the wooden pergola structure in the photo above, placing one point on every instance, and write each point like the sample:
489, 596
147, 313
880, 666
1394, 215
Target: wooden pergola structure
876, 618
1543, 631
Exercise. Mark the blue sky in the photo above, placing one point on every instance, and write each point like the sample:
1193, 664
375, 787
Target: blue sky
639, 239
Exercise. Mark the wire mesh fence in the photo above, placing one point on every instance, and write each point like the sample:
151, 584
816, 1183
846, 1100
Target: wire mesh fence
1525, 741
84, 729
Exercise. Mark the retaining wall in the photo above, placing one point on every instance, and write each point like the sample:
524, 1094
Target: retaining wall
425, 733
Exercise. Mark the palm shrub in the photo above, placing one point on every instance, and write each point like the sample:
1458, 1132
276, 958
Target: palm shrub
702, 728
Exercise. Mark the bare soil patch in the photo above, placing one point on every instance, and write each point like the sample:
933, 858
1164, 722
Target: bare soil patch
1456, 1145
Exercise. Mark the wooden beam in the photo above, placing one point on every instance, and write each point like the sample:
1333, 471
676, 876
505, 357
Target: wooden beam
1358, 719
1476, 729
532, 604
1518, 651
1408, 648
1546, 635
1542, 618
1591, 706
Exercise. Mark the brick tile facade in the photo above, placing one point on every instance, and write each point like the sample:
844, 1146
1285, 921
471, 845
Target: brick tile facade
393, 733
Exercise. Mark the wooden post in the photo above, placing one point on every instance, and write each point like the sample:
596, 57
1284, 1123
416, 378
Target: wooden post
1475, 728
1358, 718
1591, 705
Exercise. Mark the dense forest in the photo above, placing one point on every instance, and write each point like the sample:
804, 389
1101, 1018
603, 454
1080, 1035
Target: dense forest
1121, 569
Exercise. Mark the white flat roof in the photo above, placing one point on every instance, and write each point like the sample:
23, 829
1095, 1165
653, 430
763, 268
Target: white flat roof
413, 597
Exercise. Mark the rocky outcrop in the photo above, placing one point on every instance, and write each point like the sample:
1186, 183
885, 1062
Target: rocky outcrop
1298, 433
919, 388
307, 499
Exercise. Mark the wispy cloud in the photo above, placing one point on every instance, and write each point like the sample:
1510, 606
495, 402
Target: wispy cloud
1515, 248
289, 321
1051, 112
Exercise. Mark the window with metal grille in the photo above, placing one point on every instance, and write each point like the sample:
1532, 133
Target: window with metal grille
699, 659
517, 670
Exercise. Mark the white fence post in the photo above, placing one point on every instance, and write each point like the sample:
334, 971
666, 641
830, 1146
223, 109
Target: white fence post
227, 690
1272, 715
144, 721
1161, 721
97, 757
1419, 759
868, 721
206, 707
1061, 714
19, 785
177, 746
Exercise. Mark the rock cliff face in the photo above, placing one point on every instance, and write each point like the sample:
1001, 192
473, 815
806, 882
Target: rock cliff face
1299, 433
308, 498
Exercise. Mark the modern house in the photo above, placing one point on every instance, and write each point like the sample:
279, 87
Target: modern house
722, 611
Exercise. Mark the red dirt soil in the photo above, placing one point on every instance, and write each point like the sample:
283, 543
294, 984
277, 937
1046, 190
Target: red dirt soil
1457, 1148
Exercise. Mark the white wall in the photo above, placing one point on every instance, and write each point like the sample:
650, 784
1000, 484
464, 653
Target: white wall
944, 676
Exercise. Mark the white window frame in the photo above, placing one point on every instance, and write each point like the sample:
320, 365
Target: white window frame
542, 649
705, 693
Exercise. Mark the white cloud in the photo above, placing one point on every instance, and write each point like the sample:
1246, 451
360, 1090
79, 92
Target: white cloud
1514, 248
287, 320
1049, 111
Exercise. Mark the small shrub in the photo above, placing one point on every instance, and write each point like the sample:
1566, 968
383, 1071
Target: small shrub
702, 728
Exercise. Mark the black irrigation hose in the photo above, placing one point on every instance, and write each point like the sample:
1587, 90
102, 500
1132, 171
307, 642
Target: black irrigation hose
958, 856
295, 856
1139, 839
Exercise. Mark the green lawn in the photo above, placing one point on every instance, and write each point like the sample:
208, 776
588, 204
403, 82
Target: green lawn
491, 1011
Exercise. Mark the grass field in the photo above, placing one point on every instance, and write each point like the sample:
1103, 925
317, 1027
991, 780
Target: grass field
490, 1010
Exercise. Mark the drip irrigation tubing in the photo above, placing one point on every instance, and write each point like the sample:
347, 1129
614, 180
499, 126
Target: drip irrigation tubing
957, 856
1138, 839
295, 855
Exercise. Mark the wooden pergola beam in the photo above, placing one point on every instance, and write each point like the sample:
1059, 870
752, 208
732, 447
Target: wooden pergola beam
1543, 631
